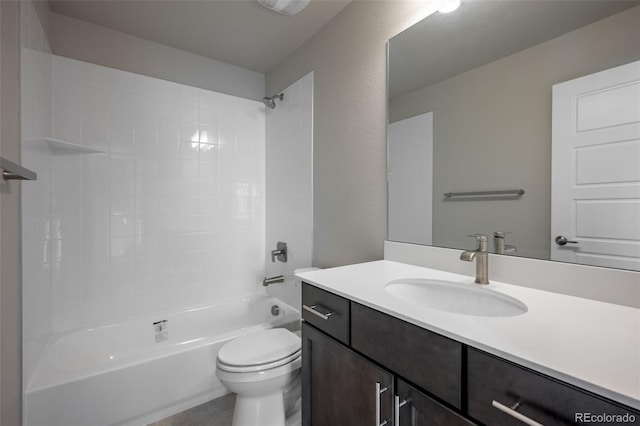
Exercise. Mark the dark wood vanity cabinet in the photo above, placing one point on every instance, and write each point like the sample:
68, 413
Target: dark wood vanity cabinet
354, 357
363, 367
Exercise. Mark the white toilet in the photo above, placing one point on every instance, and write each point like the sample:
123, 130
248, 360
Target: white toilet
258, 367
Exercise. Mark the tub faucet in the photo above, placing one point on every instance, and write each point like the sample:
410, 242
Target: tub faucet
273, 280
280, 252
481, 257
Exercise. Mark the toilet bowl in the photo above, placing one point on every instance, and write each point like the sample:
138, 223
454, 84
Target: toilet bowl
258, 367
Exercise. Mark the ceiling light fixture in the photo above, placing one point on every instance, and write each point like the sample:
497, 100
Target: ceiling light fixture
285, 7
448, 7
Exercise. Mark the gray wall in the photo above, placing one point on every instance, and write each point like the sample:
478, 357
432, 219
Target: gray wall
492, 129
100, 45
348, 58
10, 238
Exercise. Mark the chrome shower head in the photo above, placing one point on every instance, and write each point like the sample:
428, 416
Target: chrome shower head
271, 102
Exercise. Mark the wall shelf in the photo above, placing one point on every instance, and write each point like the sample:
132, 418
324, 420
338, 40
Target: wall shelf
65, 148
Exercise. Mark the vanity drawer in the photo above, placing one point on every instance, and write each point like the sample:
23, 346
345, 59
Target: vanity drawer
542, 398
326, 311
427, 359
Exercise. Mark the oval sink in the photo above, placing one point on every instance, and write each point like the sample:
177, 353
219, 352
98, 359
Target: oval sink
449, 296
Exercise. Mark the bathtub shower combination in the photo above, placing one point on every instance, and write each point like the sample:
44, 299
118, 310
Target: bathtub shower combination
144, 370
151, 198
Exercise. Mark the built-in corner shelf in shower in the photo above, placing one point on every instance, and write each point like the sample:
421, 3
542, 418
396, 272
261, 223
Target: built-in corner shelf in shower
66, 148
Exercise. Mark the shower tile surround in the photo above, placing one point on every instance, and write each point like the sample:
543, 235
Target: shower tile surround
171, 213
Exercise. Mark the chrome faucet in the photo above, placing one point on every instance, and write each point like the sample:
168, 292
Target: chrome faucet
481, 257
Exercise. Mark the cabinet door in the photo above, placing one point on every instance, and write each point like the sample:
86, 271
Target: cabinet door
414, 408
339, 386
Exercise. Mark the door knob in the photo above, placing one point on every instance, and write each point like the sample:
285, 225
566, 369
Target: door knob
561, 240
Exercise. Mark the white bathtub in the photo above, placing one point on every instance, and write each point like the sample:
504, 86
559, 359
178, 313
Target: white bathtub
119, 375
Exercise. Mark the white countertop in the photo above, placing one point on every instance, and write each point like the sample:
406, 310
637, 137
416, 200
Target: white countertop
590, 344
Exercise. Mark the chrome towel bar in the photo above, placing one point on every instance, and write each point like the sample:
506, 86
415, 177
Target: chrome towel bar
13, 171
500, 192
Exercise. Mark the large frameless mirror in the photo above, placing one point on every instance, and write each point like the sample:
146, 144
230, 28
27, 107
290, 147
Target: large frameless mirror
519, 120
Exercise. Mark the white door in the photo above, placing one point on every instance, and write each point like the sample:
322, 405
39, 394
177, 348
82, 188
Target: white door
595, 196
410, 179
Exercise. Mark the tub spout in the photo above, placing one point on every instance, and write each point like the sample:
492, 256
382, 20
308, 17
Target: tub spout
273, 280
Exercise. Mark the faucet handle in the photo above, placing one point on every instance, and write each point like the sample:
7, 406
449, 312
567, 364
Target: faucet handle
481, 239
501, 234
280, 253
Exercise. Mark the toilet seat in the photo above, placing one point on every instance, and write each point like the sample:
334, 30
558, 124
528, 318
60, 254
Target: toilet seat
263, 350
259, 367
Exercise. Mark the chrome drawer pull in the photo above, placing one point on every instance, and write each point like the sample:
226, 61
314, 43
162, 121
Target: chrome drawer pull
379, 392
513, 413
312, 309
397, 409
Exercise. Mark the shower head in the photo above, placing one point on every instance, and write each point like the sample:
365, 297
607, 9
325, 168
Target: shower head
271, 102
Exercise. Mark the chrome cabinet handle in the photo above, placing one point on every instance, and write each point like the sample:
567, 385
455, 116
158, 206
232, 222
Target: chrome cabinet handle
561, 240
513, 413
312, 309
397, 407
379, 392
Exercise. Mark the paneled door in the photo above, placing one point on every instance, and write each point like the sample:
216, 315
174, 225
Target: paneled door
595, 197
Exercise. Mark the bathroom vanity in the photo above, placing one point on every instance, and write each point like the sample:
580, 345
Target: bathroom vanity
373, 358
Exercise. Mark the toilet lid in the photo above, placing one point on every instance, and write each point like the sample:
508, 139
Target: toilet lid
262, 347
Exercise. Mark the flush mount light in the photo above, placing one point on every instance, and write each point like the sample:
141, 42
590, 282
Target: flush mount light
285, 7
449, 6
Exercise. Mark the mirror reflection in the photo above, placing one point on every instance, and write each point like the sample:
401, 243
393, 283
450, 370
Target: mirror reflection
519, 120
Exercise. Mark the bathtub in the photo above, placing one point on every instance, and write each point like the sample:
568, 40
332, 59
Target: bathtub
144, 370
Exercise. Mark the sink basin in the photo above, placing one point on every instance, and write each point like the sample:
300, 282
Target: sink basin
449, 296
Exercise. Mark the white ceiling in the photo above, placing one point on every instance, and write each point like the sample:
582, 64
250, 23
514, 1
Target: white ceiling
238, 32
